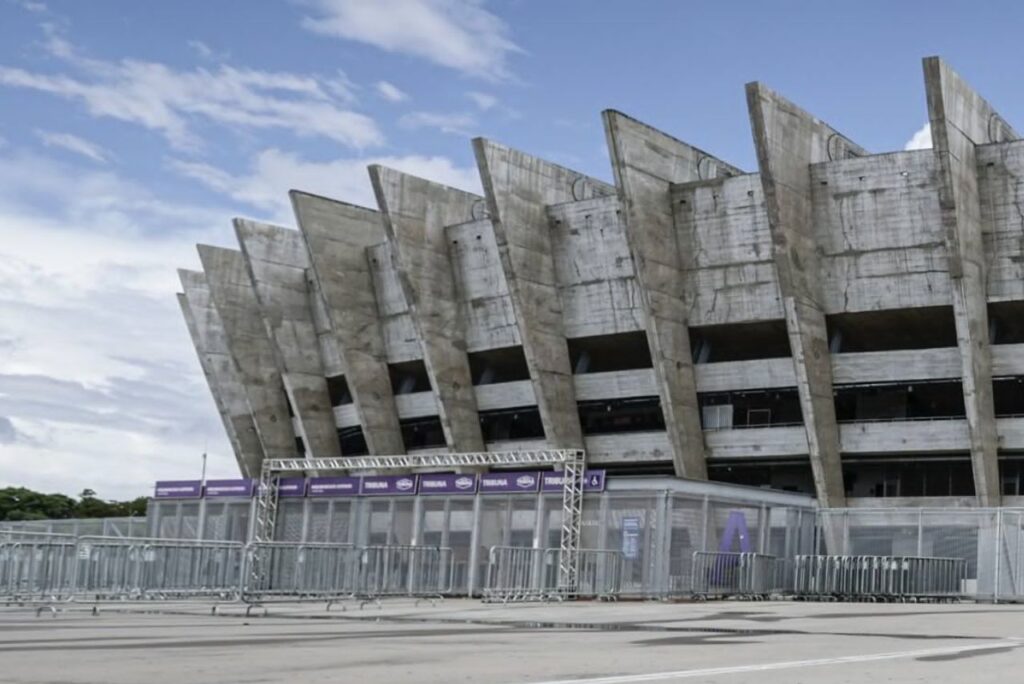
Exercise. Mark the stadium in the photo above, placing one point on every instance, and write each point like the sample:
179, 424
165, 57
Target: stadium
837, 329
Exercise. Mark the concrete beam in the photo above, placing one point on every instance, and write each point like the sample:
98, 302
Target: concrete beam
646, 162
207, 331
277, 261
518, 188
788, 141
232, 294
416, 212
337, 236
960, 120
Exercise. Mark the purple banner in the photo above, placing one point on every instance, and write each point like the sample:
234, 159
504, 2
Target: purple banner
388, 485
593, 481
218, 488
496, 483
333, 486
178, 489
291, 486
447, 483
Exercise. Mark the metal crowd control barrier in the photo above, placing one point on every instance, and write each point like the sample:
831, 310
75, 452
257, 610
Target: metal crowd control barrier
298, 572
409, 571
879, 578
119, 569
741, 575
517, 574
36, 567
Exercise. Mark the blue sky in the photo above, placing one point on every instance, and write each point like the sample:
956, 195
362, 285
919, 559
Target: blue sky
130, 130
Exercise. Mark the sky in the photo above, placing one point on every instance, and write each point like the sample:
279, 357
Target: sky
130, 131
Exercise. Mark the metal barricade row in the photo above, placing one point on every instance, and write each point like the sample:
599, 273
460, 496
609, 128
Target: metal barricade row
517, 574
741, 575
879, 578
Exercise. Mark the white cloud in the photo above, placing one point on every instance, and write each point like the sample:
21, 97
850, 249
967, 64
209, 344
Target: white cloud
390, 92
98, 378
72, 143
921, 140
459, 124
274, 172
482, 100
459, 34
161, 98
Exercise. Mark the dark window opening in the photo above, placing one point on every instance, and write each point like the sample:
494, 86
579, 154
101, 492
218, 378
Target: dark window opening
300, 447
639, 469
408, 377
1006, 322
353, 442
421, 433
750, 409
739, 342
787, 477
1011, 475
892, 402
514, 423
927, 476
639, 414
605, 353
870, 331
491, 366
1008, 394
337, 388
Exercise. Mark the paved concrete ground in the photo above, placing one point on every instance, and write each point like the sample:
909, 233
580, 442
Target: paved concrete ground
466, 641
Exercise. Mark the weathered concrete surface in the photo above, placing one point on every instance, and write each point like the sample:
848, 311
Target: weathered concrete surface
1001, 196
583, 642
960, 120
518, 188
207, 331
878, 233
646, 162
416, 212
596, 282
232, 293
337, 236
277, 262
788, 141
725, 251
482, 287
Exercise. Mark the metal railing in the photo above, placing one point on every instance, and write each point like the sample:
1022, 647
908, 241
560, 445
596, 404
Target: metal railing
741, 575
47, 570
526, 574
879, 578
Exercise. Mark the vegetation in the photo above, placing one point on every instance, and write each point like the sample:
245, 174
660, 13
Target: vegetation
19, 503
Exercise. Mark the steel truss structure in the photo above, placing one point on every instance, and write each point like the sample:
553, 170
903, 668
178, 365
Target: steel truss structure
571, 461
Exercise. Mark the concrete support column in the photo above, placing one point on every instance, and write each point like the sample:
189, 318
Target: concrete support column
415, 212
518, 188
788, 141
232, 293
277, 261
207, 331
646, 162
960, 120
337, 236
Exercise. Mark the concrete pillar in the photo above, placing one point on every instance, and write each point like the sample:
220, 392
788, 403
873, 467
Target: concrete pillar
960, 120
646, 162
232, 293
518, 188
415, 213
277, 261
788, 141
337, 236
222, 376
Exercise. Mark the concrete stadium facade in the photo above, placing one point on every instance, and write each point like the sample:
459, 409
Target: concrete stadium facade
838, 322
